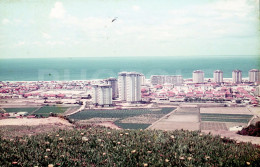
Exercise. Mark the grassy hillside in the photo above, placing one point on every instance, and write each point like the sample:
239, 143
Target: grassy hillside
94, 146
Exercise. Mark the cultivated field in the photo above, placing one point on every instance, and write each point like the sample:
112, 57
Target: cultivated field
132, 118
46, 110
14, 110
240, 118
226, 110
183, 118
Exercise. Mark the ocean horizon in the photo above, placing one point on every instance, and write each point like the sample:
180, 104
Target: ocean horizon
49, 69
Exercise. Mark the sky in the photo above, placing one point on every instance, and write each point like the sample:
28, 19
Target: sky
84, 28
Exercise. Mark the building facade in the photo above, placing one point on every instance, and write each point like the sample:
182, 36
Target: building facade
198, 76
237, 76
102, 95
218, 76
129, 86
113, 83
254, 75
162, 79
142, 79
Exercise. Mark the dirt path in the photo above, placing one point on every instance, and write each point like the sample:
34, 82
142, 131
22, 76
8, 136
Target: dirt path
82, 107
35, 121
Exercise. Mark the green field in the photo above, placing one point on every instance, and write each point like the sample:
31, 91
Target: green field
226, 117
121, 114
29, 110
131, 125
46, 110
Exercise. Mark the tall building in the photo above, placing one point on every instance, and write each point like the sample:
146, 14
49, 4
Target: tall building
257, 91
237, 76
254, 75
158, 79
198, 76
102, 95
113, 83
129, 86
218, 76
142, 79
162, 79
174, 79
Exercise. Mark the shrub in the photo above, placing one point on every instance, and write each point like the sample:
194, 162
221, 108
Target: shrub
251, 130
96, 146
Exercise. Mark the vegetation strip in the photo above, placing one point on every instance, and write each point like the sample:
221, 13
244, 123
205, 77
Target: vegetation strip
88, 146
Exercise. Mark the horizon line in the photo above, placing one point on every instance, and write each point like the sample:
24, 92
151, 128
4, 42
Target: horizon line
206, 56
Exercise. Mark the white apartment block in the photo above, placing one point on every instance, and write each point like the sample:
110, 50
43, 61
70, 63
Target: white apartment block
114, 85
218, 76
142, 79
162, 79
198, 76
237, 76
254, 75
129, 86
102, 95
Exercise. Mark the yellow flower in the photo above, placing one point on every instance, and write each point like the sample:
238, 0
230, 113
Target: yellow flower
166, 160
189, 158
84, 139
121, 134
248, 163
50, 165
145, 164
207, 157
57, 135
200, 134
133, 151
172, 136
99, 140
126, 133
60, 138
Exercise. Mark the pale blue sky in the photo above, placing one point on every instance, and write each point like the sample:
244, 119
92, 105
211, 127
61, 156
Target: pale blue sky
83, 28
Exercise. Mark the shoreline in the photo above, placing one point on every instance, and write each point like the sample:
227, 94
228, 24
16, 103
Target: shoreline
81, 80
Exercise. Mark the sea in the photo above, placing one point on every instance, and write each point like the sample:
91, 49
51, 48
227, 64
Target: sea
66, 69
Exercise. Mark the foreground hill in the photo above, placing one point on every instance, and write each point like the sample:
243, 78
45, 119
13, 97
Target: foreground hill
96, 146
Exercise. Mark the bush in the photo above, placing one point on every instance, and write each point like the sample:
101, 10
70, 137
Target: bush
251, 130
89, 146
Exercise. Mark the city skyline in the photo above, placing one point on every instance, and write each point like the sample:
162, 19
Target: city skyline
140, 28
